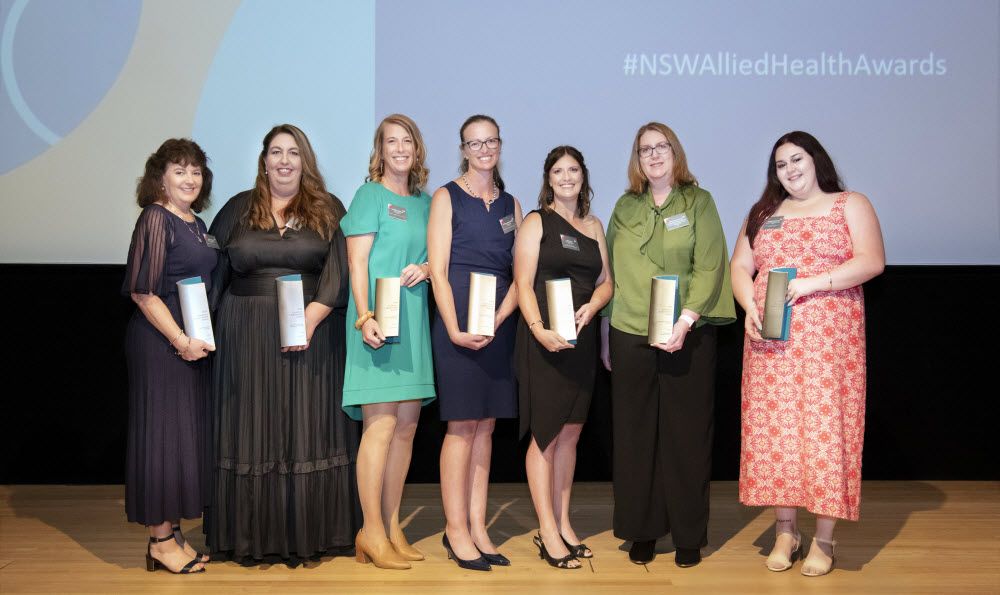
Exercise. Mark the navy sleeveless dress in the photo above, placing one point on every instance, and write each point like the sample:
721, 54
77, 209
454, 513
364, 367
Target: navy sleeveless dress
556, 388
476, 384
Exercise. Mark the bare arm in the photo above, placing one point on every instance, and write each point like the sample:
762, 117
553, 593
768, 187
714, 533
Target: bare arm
358, 249
439, 258
741, 270
157, 313
869, 253
525, 266
509, 303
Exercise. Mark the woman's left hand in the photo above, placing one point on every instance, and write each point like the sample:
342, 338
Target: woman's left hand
804, 286
584, 315
676, 342
413, 274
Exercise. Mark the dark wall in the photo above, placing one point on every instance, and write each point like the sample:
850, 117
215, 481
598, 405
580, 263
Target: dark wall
932, 406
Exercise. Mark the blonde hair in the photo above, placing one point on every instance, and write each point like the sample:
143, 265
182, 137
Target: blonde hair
417, 178
638, 183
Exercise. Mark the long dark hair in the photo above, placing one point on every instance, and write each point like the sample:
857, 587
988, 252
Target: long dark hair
183, 152
545, 195
464, 167
312, 206
826, 176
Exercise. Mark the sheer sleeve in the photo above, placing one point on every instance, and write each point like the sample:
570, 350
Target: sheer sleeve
332, 289
222, 229
147, 254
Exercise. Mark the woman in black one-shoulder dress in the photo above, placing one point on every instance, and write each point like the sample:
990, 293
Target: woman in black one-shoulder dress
556, 378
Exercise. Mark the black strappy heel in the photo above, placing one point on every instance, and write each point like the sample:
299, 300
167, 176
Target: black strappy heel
579, 550
179, 538
554, 562
152, 564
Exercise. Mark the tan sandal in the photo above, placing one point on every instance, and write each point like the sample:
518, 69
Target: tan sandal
818, 567
778, 561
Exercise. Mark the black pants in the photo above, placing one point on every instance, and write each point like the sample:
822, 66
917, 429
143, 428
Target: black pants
663, 407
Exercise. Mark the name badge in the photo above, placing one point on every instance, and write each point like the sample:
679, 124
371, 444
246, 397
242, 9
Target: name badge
569, 242
397, 212
211, 242
507, 224
774, 222
676, 221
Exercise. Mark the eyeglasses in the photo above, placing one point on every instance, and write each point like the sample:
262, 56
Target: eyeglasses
475, 145
661, 149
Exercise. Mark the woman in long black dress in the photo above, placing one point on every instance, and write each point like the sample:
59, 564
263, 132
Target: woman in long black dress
560, 239
472, 227
286, 451
169, 375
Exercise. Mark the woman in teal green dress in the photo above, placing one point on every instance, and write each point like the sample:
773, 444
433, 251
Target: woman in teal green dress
385, 384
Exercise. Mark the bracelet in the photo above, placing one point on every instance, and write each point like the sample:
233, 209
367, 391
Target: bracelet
533, 324
181, 353
177, 337
687, 319
363, 319
830, 275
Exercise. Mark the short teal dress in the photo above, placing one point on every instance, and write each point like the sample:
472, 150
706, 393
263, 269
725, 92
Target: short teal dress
396, 371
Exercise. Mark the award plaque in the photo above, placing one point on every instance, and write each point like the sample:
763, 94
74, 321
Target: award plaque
387, 307
482, 304
291, 311
777, 314
194, 310
664, 302
562, 316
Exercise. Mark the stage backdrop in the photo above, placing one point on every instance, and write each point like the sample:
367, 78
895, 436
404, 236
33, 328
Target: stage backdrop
903, 94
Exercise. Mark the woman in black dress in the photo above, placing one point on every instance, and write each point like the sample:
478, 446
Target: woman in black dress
169, 374
286, 451
558, 240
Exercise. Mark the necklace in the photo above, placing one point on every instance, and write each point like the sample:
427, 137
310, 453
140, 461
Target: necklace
496, 191
187, 223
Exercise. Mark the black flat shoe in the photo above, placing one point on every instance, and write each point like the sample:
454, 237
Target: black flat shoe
152, 564
579, 550
554, 562
479, 563
642, 552
495, 559
687, 557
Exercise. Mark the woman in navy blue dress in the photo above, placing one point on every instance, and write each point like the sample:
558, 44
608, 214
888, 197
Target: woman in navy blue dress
472, 226
169, 378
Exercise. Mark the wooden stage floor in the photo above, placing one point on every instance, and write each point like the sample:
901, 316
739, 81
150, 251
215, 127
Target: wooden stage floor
913, 537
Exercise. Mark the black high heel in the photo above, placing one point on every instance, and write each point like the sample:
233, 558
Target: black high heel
179, 538
554, 562
579, 550
494, 559
152, 564
479, 563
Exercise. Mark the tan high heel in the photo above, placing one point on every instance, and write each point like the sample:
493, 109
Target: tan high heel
778, 561
382, 555
813, 567
404, 549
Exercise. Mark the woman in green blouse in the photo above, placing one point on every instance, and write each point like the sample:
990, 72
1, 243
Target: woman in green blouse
663, 394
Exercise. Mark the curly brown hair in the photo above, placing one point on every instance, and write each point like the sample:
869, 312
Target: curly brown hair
183, 152
312, 207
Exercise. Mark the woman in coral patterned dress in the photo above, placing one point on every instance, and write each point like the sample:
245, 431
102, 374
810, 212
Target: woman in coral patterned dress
803, 399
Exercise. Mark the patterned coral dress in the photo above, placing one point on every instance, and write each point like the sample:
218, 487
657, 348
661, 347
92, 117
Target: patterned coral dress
803, 400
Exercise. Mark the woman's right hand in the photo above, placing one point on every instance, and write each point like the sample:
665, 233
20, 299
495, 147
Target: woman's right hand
469, 341
752, 324
196, 350
371, 333
551, 340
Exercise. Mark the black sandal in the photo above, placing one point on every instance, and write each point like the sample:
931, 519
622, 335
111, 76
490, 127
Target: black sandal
579, 550
152, 564
179, 538
554, 562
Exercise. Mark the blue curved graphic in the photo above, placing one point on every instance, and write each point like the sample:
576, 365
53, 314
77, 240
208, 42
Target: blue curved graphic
57, 62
